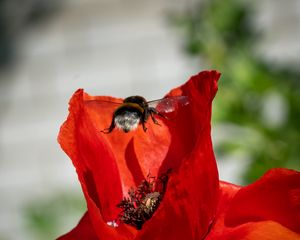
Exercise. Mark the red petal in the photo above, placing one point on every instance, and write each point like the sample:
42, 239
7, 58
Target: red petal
92, 158
84, 230
95, 165
276, 197
266, 209
227, 192
191, 198
264, 230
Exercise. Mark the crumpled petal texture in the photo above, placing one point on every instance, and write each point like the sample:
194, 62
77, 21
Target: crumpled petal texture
109, 164
267, 209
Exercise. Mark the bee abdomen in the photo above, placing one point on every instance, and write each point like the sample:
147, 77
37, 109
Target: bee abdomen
127, 121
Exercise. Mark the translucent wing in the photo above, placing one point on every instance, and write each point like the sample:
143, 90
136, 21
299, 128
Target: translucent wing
169, 104
101, 101
103, 105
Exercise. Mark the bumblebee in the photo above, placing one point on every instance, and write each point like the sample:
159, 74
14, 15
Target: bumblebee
136, 110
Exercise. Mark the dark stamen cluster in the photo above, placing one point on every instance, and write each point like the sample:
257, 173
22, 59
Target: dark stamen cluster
141, 203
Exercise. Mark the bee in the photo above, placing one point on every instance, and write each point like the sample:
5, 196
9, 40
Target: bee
135, 110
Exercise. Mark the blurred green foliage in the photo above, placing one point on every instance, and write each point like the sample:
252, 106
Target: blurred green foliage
51, 217
254, 95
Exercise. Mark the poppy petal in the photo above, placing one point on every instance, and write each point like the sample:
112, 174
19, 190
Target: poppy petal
84, 230
190, 201
94, 164
91, 157
275, 196
264, 230
266, 209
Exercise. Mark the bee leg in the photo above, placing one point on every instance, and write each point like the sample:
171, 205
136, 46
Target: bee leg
110, 128
154, 111
144, 126
154, 119
143, 121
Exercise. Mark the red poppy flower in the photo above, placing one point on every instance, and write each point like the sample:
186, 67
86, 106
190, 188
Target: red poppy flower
194, 205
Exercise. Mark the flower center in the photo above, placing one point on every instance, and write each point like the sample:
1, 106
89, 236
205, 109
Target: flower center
142, 202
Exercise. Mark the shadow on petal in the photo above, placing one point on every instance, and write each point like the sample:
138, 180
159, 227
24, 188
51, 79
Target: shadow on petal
133, 163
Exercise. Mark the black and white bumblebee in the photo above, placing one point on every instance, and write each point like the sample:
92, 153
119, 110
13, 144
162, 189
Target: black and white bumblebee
135, 110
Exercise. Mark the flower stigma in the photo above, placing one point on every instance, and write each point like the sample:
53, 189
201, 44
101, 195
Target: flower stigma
142, 202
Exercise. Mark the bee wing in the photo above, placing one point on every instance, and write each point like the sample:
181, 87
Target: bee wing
101, 101
103, 105
169, 104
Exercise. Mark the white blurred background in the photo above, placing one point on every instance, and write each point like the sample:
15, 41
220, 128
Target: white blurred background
108, 47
